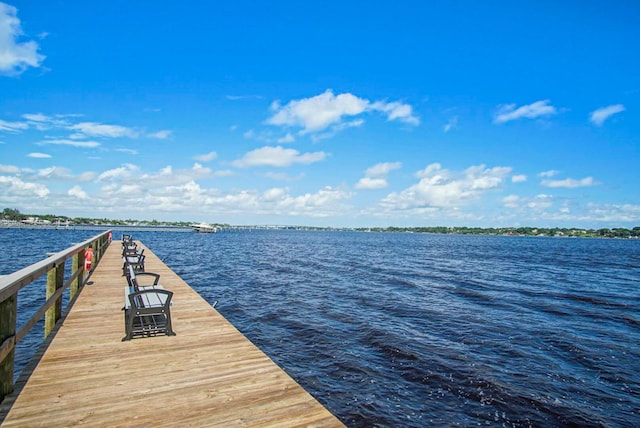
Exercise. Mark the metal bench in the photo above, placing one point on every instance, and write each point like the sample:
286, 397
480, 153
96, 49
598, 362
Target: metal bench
147, 309
134, 260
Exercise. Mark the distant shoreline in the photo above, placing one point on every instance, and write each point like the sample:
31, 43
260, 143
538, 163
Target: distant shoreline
619, 233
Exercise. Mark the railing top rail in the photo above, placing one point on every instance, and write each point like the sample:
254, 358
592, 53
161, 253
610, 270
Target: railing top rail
12, 283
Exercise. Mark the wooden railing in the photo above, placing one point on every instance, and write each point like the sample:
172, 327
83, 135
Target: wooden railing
54, 267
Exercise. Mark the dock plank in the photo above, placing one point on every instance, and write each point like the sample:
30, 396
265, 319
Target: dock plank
209, 374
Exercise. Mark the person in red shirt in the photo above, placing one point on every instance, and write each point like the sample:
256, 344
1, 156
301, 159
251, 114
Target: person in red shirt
88, 258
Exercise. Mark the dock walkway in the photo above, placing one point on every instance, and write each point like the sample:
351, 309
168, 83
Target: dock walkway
207, 375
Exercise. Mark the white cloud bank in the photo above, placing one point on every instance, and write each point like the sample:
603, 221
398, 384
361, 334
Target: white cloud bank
322, 111
599, 116
78, 131
438, 196
12, 126
15, 187
15, 55
438, 187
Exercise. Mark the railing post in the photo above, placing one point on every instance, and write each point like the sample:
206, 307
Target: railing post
81, 266
55, 280
8, 311
99, 249
76, 265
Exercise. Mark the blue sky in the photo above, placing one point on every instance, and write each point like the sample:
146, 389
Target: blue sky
405, 113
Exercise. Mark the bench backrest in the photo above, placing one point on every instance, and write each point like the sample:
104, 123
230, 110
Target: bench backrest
132, 277
150, 302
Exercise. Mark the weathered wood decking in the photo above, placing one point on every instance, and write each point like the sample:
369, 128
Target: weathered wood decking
209, 374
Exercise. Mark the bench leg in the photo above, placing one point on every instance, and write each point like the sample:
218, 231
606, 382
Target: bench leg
168, 327
128, 325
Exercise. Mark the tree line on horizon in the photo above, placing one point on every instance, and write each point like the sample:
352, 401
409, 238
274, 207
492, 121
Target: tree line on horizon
15, 215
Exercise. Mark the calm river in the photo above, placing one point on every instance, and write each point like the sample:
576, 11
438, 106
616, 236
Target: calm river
415, 330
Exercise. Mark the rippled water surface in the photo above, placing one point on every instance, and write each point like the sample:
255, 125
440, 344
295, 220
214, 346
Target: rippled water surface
414, 330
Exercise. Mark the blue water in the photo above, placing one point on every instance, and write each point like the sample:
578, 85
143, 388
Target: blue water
414, 330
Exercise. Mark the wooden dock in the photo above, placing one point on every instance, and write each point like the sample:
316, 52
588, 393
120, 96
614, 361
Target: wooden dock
207, 375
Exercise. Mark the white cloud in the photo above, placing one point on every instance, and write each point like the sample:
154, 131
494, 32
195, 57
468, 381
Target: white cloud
208, 157
93, 129
13, 186
161, 135
169, 176
540, 202
15, 56
43, 122
521, 178
570, 183
289, 138
317, 113
81, 131
511, 201
548, 174
74, 143
544, 207
325, 202
13, 126
9, 169
599, 116
531, 111
334, 129
325, 197
537, 203
396, 111
278, 157
86, 176
382, 169
125, 171
191, 196
37, 117
54, 172
614, 213
77, 192
439, 187
453, 122
127, 151
375, 177
368, 183
38, 155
